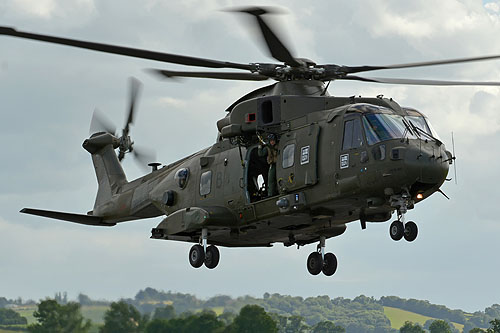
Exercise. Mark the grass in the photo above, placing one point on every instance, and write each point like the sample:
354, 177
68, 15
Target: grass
27, 311
95, 313
398, 318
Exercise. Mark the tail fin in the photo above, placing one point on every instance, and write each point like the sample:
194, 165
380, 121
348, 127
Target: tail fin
108, 169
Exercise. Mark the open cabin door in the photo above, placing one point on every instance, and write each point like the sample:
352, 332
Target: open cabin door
297, 166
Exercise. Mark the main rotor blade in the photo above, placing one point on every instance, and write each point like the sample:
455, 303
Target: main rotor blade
210, 75
126, 51
100, 123
135, 86
275, 45
418, 82
358, 69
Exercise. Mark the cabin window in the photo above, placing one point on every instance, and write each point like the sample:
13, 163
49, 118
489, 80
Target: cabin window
353, 137
288, 156
181, 177
267, 112
205, 182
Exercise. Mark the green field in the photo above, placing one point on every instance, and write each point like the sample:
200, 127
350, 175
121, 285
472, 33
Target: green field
398, 318
95, 313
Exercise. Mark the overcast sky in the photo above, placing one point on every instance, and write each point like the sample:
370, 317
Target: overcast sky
48, 94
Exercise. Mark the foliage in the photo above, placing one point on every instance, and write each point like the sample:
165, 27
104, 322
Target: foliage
252, 318
494, 326
11, 317
202, 322
123, 317
440, 326
477, 330
410, 327
53, 317
167, 312
327, 327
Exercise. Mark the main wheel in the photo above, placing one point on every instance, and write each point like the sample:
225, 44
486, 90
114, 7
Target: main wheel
411, 231
397, 230
329, 264
212, 257
314, 263
196, 256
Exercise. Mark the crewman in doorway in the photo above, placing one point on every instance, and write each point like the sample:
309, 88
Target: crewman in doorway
270, 151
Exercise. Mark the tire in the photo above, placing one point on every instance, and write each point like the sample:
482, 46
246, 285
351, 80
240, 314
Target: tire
411, 231
330, 264
396, 230
314, 263
196, 256
212, 257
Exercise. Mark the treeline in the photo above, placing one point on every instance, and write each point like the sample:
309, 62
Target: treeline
362, 314
53, 317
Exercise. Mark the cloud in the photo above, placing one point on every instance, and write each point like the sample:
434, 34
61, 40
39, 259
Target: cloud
493, 7
50, 9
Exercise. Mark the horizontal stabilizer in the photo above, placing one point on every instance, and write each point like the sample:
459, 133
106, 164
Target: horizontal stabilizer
76, 218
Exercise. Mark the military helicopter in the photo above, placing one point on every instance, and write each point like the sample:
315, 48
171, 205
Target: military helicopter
291, 164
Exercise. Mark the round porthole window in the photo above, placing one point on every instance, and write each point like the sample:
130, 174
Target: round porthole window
181, 177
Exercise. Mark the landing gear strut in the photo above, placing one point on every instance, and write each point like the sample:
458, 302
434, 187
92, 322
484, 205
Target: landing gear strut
320, 262
201, 254
399, 228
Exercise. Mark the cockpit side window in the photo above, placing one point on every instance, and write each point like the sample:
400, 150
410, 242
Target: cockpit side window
181, 177
353, 136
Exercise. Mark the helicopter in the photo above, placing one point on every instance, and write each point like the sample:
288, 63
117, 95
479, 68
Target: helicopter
334, 160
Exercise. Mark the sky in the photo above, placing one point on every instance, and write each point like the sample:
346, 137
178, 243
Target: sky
48, 94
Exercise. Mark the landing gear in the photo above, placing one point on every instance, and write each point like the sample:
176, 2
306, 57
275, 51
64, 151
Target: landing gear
411, 231
212, 257
314, 263
196, 256
201, 254
320, 262
399, 228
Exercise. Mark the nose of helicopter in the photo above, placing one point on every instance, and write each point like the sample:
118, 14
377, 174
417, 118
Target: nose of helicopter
425, 162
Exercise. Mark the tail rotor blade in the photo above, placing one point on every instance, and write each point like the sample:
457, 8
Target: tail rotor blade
100, 123
135, 86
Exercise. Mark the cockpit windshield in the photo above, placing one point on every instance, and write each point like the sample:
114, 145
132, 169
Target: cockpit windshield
381, 124
418, 120
384, 126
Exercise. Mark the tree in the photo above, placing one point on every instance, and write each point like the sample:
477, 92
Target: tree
11, 317
253, 318
123, 317
327, 327
167, 312
494, 326
204, 322
440, 326
410, 327
477, 330
56, 318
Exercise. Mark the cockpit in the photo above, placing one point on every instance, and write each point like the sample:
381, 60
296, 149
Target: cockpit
381, 124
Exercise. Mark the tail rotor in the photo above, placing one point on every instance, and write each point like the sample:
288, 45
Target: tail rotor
125, 145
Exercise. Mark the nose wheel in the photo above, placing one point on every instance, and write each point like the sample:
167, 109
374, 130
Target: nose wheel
201, 254
400, 228
318, 261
